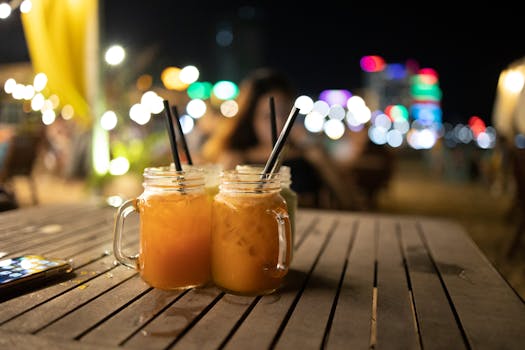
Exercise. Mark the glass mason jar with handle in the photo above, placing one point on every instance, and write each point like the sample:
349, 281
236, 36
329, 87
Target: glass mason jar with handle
175, 229
289, 195
251, 243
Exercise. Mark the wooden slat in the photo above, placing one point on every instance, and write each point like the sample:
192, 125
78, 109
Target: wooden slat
352, 319
98, 259
79, 321
23, 224
491, 313
211, 331
43, 315
436, 321
172, 322
32, 216
44, 241
130, 321
306, 326
303, 223
11, 340
87, 256
266, 318
102, 236
21, 304
396, 327
45, 227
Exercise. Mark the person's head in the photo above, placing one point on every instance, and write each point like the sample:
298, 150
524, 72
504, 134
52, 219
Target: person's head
251, 126
253, 119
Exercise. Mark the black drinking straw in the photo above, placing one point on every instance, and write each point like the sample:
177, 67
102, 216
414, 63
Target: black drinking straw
181, 133
278, 147
171, 133
273, 121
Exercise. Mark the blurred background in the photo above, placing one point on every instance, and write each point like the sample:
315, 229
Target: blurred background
425, 116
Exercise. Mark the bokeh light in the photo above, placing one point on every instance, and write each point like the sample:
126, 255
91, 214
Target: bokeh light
196, 108
187, 124
152, 102
144, 82
396, 71
225, 90
314, 121
337, 112
67, 112
513, 81
334, 129
372, 63
5, 10
18, 91
9, 85
189, 74
170, 77
224, 37
115, 55
333, 96
37, 102
108, 121
29, 92
229, 108
26, 6
48, 117
304, 103
321, 107
394, 138
119, 166
199, 89
139, 114
40, 82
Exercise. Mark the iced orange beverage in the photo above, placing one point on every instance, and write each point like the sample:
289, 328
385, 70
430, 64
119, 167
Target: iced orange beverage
175, 229
289, 195
250, 247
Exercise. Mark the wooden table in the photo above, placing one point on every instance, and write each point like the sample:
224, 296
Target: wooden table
358, 280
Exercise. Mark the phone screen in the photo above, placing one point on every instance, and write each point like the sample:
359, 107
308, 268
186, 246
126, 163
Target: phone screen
15, 272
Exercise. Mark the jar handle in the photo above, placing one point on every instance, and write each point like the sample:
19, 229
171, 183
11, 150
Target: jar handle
283, 223
124, 210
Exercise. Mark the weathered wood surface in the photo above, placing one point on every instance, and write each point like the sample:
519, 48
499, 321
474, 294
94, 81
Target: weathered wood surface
358, 280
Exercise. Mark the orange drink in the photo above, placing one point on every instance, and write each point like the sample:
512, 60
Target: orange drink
250, 247
175, 219
289, 195
175, 239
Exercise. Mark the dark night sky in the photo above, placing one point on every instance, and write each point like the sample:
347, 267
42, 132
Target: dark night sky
319, 46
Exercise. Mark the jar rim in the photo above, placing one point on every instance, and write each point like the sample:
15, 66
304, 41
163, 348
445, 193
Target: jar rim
166, 171
256, 176
249, 182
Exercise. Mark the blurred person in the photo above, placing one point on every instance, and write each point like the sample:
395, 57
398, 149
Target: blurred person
499, 166
366, 166
247, 139
373, 171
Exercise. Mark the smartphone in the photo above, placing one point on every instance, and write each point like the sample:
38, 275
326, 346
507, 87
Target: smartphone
27, 272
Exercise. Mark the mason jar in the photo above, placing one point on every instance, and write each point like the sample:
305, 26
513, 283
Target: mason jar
175, 229
289, 195
250, 240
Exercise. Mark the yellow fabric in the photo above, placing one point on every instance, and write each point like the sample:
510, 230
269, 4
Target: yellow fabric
57, 35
